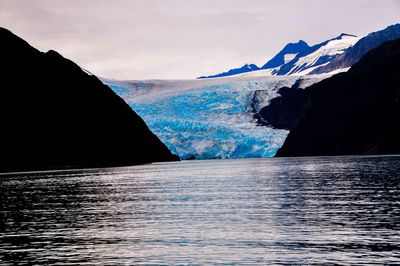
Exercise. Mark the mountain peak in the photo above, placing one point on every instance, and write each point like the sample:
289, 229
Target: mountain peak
300, 42
295, 45
342, 36
250, 66
288, 52
346, 35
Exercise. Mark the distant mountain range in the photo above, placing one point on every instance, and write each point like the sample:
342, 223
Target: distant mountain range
335, 54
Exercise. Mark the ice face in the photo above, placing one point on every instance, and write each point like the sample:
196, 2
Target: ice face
207, 119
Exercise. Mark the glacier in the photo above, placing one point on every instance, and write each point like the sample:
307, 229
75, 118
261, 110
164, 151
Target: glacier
209, 118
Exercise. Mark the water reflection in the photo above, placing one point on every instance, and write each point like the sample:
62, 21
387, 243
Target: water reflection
339, 210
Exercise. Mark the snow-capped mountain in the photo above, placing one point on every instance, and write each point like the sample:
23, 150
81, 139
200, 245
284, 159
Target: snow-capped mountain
298, 58
355, 52
317, 55
287, 54
337, 54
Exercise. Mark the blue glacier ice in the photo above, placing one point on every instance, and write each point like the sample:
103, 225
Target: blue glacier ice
207, 119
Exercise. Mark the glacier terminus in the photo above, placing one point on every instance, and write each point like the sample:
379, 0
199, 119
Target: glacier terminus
209, 118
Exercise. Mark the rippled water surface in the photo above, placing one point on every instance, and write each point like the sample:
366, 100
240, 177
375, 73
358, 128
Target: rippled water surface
339, 210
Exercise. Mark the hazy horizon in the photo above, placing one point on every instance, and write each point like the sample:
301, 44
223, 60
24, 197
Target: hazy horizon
178, 39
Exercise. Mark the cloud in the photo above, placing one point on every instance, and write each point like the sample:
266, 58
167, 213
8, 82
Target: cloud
145, 39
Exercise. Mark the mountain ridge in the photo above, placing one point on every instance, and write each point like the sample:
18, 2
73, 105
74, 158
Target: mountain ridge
354, 53
290, 48
323, 53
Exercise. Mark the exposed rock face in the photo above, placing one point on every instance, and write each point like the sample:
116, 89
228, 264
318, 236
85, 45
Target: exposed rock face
357, 112
290, 48
285, 111
54, 115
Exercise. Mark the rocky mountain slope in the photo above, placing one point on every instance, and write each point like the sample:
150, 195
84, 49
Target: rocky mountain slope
357, 112
354, 53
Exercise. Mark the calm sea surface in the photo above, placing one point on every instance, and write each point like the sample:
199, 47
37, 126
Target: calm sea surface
337, 210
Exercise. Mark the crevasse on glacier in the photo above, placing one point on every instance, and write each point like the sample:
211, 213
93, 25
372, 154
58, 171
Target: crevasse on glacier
207, 119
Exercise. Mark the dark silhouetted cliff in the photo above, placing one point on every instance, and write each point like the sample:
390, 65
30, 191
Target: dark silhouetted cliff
54, 115
357, 112
286, 110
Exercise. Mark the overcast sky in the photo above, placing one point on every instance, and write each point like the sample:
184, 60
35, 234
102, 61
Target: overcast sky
174, 39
